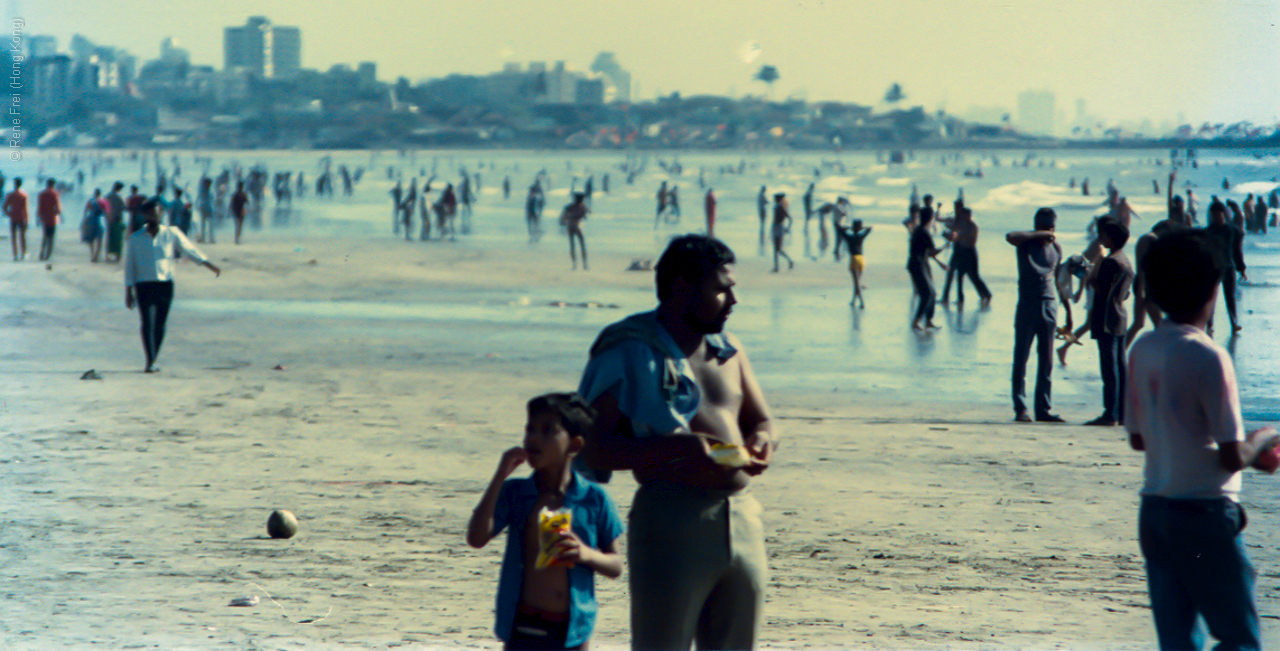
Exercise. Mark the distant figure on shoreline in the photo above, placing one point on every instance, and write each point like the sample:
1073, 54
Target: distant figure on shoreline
781, 224
571, 219
920, 251
15, 208
204, 204
853, 238
709, 207
1229, 240
808, 206
407, 208
397, 200
446, 213
533, 203
49, 210
661, 210
762, 207
115, 224
134, 204
239, 205
964, 258
91, 226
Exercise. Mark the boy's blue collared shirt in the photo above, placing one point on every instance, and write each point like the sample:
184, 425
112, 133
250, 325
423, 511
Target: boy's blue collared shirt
595, 521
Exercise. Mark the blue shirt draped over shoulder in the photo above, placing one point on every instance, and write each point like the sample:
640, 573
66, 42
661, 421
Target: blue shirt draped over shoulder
638, 362
595, 521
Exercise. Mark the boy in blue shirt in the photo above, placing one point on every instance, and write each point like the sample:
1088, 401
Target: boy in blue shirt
552, 607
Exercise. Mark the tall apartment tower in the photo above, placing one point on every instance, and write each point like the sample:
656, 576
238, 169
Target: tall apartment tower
263, 49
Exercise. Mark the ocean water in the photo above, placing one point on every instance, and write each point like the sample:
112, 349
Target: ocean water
808, 340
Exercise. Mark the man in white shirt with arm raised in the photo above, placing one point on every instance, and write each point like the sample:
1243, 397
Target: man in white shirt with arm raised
148, 276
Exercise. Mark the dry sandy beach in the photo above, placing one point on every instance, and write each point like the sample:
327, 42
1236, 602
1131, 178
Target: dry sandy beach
134, 507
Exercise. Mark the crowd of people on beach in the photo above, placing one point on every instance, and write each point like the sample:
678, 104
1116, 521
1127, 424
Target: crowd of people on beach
671, 396
654, 399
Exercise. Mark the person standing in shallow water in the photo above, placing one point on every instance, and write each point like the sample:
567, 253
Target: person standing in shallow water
533, 210
148, 276
964, 257
1108, 321
781, 224
709, 206
1036, 315
921, 249
571, 219
762, 207
853, 238
1229, 240
239, 205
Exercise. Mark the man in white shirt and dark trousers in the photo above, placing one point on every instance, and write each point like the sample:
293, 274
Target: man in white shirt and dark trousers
1183, 411
148, 275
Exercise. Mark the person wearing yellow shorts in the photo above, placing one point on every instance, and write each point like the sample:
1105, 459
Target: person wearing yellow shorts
853, 237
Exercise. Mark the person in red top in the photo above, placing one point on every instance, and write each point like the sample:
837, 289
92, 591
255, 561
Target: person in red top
15, 207
134, 205
49, 210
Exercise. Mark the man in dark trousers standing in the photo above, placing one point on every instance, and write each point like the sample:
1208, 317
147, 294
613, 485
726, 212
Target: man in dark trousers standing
1036, 316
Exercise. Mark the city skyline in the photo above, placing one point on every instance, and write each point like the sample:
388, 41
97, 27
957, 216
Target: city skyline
1113, 55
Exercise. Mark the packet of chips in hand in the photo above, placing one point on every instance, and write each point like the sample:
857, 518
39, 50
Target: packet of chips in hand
727, 454
550, 525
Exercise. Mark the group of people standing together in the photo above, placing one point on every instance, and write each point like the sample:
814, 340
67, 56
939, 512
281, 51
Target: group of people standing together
1103, 272
961, 235
444, 211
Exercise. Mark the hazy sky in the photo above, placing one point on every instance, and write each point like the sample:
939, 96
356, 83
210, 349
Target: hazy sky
1212, 60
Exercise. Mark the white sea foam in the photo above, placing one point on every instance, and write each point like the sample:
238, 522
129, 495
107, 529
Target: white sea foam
1033, 194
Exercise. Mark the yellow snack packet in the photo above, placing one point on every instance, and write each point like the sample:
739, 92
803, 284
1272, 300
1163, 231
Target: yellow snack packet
550, 524
727, 454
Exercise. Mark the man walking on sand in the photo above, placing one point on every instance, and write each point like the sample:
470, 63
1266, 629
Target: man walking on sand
49, 210
15, 208
148, 276
1036, 316
679, 406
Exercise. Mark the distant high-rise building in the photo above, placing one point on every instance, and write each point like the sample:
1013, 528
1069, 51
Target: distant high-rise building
1037, 111
43, 46
367, 72
619, 80
172, 54
263, 50
286, 51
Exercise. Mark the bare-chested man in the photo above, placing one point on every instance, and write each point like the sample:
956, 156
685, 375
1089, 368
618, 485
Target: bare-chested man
673, 392
571, 219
